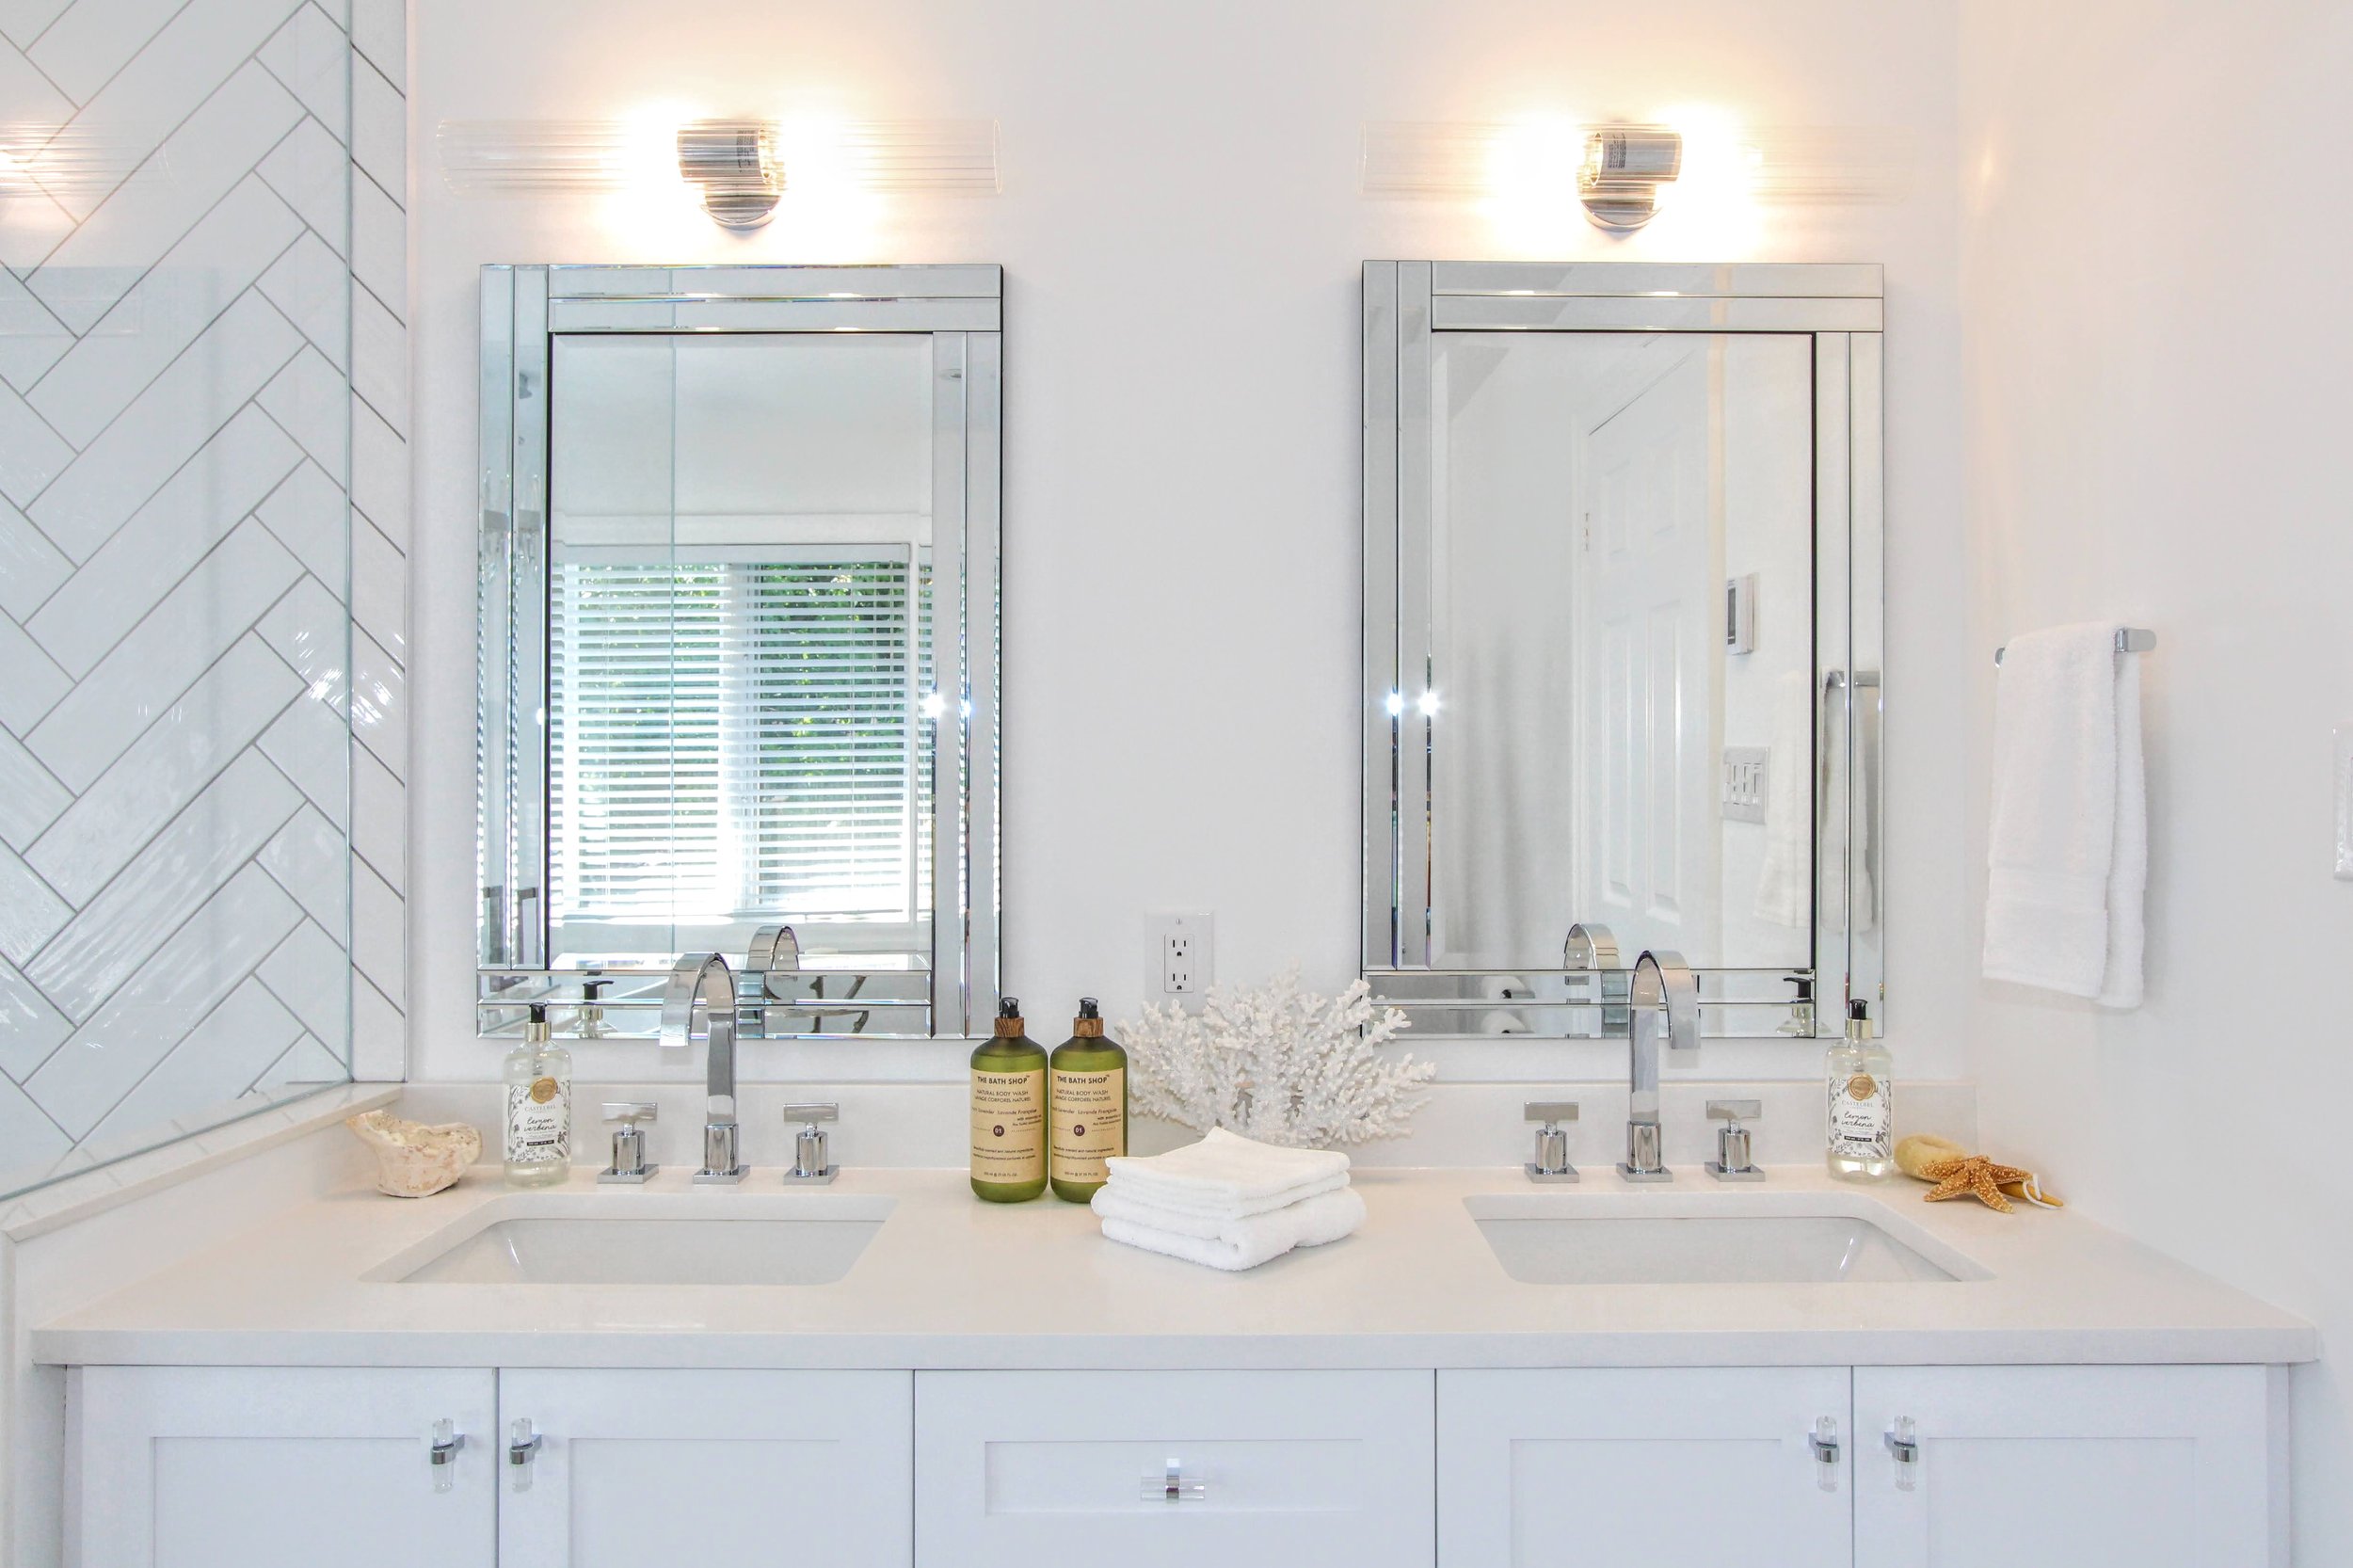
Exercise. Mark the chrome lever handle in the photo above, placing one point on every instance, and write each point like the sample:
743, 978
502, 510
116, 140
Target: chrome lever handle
1173, 1487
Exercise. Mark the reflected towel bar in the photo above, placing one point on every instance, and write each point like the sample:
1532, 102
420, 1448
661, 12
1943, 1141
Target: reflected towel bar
2129, 639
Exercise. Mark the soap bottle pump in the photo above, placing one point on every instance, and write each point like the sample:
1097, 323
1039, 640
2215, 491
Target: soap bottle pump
1009, 1112
538, 1078
1861, 1102
1087, 1106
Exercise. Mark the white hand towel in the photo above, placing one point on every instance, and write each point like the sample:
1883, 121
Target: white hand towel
1785, 891
1243, 1242
2070, 833
1227, 1176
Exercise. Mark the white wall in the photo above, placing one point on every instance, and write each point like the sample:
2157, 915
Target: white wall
1182, 231
2156, 325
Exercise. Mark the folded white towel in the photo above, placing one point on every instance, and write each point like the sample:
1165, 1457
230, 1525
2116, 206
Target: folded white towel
1226, 1175
2069, 847
1240, 1242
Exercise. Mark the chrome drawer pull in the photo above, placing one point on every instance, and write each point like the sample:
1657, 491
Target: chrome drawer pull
521, 1450
442, 1453
1903, 1443
1173, 1487
1823, 1440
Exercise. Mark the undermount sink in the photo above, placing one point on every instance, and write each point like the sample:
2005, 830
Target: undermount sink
731, 1238
1708, 1239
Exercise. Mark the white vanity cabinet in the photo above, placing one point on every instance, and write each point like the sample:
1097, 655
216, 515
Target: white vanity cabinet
2015, 1467
1656, 1466
291, 1467
282, 1468
2021, 1466
626, 1469
1686, 1468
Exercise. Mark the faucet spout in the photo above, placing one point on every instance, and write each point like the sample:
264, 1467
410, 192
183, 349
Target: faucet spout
1663, 997
703, 982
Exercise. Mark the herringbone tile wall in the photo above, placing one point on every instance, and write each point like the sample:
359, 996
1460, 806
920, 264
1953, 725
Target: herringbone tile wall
203, 527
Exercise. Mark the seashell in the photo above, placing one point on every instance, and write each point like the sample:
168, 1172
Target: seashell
414, 1160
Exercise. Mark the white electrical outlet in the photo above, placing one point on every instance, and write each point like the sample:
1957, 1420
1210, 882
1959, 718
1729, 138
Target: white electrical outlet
1182, 953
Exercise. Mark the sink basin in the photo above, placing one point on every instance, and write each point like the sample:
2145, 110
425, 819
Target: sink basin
1709, 1239
645, 1239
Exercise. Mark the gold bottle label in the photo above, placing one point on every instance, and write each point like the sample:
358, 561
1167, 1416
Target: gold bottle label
1090, 1123
1009, 1127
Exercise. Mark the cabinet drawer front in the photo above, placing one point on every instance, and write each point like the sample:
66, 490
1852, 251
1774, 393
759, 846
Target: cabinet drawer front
1662, 1467
1275, 1467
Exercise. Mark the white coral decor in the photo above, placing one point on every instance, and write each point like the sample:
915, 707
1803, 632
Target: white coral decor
1277, 1064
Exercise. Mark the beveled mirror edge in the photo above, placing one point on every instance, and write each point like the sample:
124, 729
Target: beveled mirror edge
961, 307
1841, 305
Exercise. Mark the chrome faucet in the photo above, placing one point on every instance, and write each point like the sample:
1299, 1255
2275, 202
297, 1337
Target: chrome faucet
1663, 996
701, 982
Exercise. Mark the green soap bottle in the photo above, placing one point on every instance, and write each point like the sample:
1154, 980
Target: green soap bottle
1086, 1097
1009, 1112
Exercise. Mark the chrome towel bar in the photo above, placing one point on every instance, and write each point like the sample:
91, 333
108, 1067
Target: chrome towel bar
2129, 639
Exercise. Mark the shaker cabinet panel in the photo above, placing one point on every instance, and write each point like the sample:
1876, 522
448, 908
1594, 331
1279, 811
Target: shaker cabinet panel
282, 1468
1173, 1469
1683, 1468
2060, 1466
635, 1469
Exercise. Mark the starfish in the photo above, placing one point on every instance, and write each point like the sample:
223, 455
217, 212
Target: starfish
1972, 1175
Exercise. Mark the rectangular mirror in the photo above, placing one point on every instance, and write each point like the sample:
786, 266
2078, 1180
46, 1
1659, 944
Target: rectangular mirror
739, 668
1622, 622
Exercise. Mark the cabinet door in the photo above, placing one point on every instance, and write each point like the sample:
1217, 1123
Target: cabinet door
1670, 1468
635, 1469
2062, 1467
281, 1467
1173, 1469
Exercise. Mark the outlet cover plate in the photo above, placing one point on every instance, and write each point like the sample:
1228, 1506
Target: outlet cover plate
1182, 950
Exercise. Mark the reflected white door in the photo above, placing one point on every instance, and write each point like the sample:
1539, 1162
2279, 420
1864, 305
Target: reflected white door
1647, 606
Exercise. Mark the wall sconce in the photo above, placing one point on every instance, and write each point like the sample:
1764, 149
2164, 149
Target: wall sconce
738, 166
1624, 166
1614, 172
739, 169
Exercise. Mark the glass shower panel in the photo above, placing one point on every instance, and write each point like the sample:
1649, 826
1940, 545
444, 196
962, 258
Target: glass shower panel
179, 674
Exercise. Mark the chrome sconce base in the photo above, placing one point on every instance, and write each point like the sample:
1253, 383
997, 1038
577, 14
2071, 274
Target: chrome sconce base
1624, 166
738, 166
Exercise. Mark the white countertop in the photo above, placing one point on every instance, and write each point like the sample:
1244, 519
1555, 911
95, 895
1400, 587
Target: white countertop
949, 1282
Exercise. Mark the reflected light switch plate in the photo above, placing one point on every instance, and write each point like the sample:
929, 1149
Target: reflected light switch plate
2344, 802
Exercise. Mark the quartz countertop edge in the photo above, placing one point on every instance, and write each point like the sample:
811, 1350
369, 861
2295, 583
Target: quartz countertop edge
951, 1283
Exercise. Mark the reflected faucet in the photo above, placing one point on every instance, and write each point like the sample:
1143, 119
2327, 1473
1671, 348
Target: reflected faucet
702, 982
775, 950
1592, 947
1664, 996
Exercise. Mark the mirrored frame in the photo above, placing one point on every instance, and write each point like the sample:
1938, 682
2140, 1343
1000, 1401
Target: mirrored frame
1407, 305
960, 308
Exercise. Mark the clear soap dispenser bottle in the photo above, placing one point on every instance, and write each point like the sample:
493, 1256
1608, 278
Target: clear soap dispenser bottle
1861, 1102
539, 1107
